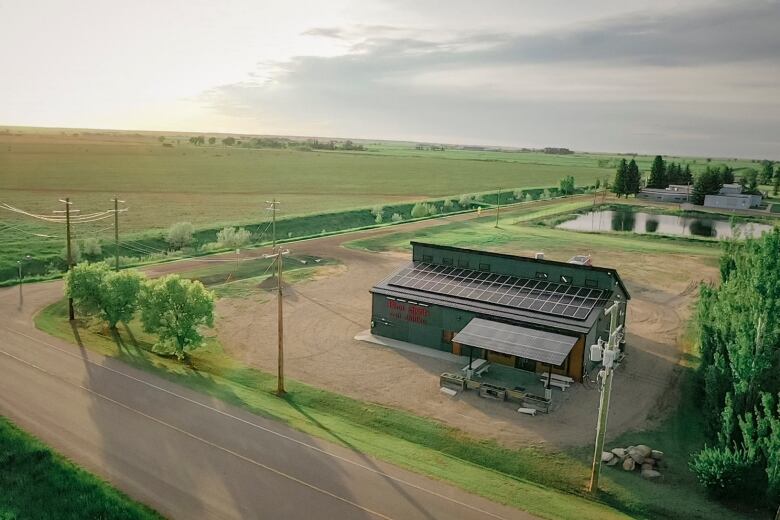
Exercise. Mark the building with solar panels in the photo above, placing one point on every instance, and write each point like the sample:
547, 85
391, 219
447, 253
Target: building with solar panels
528, 313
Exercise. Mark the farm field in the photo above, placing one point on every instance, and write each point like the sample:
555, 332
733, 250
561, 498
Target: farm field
217, 184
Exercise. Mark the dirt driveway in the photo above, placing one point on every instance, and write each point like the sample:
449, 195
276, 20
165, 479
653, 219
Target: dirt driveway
324, 314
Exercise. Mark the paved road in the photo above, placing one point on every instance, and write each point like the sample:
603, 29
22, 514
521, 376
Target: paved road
191, 456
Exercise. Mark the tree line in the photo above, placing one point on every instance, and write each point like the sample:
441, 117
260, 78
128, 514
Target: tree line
171, 307
739, 340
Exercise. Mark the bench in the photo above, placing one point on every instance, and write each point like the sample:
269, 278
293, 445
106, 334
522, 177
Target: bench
563, 379
527, 411
553, 382
478, 366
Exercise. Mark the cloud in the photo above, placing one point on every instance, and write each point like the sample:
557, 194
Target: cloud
587, 86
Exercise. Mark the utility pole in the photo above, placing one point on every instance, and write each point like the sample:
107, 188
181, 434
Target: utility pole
280, 375
608, 357
272, 209
69, 252
116, 231
279, 259
498, 206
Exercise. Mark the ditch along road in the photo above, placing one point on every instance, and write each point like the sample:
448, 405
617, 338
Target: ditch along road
191, 456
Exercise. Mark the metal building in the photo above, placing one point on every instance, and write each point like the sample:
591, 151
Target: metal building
527, 313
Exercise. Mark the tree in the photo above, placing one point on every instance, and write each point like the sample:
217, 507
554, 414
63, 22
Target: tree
396, 217
739, 338
767, 172
620, 186
687, 176
180, 235
727, 174
707, 182
749, 180
91, 248
97, 290
161, 138
776, 183
212, 140
175, 309
633, 179
597, 185
567, 185
233, 237
419, 210
658, 174
229, 141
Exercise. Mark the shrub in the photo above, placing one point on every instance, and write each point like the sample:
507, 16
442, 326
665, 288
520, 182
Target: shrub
419, 210
724, 472
396, 217
91, 247
378, 211
465, 201
378, 219
448, 205
529, 197
180, 235
75, 252
233, 238
519, 194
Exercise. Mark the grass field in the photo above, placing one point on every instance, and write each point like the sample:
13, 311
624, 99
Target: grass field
35, 482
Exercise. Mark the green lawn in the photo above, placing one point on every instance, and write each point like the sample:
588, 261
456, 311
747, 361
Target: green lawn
36, 482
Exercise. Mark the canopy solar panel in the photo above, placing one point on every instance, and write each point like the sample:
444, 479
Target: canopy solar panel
539, 295
538, 345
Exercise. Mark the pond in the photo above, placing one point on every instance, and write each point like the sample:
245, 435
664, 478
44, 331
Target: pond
639, 222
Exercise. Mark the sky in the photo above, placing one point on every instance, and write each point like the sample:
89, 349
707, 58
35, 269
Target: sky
695, 77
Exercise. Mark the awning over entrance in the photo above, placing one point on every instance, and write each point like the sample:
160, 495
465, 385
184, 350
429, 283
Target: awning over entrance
537, 345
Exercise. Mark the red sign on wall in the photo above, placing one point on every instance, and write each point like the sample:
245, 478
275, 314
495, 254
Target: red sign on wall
409, 312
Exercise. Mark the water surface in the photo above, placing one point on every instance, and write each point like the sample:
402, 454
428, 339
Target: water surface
650, 223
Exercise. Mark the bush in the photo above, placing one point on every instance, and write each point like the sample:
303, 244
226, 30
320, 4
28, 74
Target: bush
75, 253
378, 211
396, 217
448, 204
180, 235
724, 472
90, 247
466, 201
233, 238
419, 210
378, 219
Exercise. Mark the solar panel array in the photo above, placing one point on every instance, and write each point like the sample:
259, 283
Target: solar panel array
530, 294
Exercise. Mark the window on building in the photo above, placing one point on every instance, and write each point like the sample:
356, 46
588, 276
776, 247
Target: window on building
484, 267
541, 275
591, 283
446, 261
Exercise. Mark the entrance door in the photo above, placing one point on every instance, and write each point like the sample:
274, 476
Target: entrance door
525, 364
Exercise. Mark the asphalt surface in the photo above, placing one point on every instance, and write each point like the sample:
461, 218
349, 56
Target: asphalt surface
190, 456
